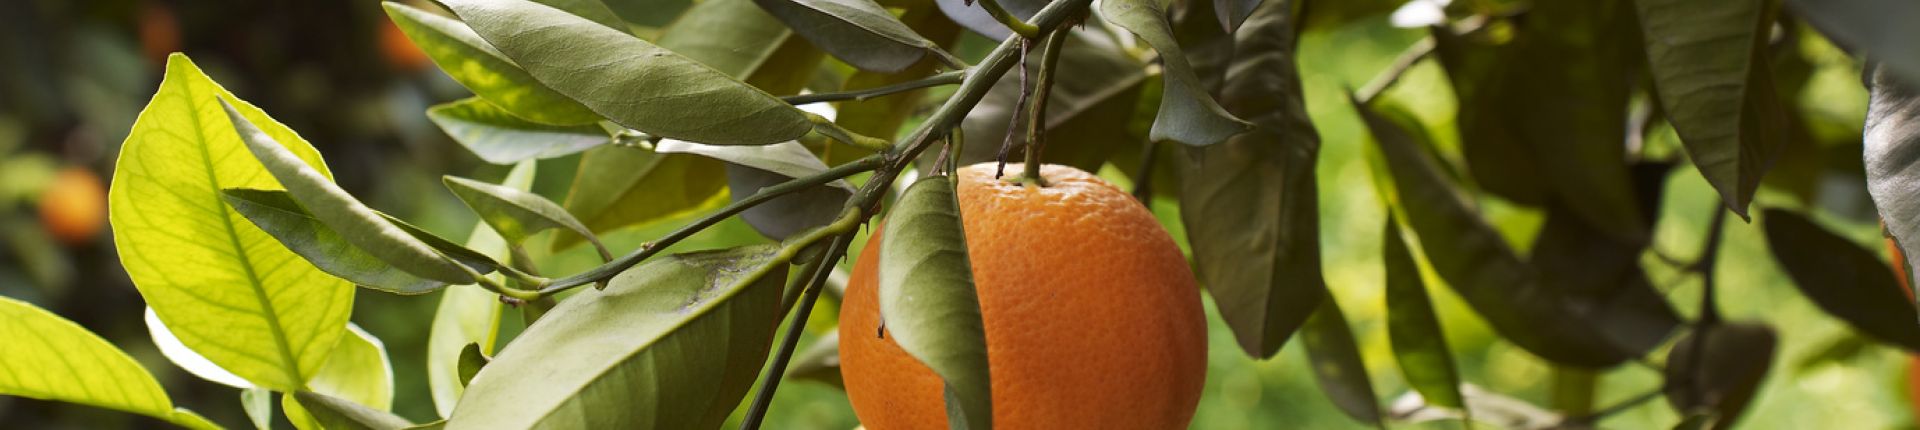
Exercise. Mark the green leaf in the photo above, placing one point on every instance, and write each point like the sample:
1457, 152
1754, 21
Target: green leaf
1721, 378
468, 314
225, 287
258, 402
618, 186
1892, 146
517, 214
751, 168
280, 216
1187, 114
1538, 125
883, 116
357, 370
674, 343
471, 361
1337, 364
1843, 278
1232, 13
970, 15
50, 358
334, 413
1250, 204
819, 362
1332, 15
861, 32
592, 10
630, 81
1709, 65
1478, 263
1881, 28
474, 63
185, 358
354, 221
499, 137
927, 299
1593, 269
1419, 344
734, 37
1082, 113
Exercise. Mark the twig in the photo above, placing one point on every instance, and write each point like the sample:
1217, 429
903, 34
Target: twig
1037, 112
775, 372
944, 78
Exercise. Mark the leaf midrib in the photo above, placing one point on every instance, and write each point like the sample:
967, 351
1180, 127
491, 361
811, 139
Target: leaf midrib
233, 238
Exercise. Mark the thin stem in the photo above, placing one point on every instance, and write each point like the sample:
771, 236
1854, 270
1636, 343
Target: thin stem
757, 412
833, 130
606, 271
944, 78
1037, 112
1020, 28
1013, 121
1401, 65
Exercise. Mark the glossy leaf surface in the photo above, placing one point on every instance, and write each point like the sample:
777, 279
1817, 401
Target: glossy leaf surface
927, 299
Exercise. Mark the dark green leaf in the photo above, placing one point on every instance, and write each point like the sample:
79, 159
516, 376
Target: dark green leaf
355, 222
927, 300
1708, 63
1418, 342
1892, 141
1844, 279
1330, 15
1543, 118
1479, 264
819, 362
1881, 29
630, 81
471, 361
1083, 113
1234, 12
499, 137
674, 343
1597, 271
1250, 205
1187, 114
280, 216
860, 32
516, 214
339, 414
883, 116
474, 63
1337, 364
1720, 379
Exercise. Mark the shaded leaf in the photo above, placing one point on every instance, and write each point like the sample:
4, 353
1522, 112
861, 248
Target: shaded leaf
1187, 114
471, 361
335, 413
468, 314
50, 358
354, 221
279, 215
1709, 65
1331, 15
1892, 144
927, 298
1419, 344
819, 362
1880, 29
630, 81
499, 137
883, 116
1337, 364
973, 17
474, 63
1843, 279
516, 214
203, 268
673, 343
1234, 12
1597, 271
860, 32
1478, 263
1720, 379
1250, 205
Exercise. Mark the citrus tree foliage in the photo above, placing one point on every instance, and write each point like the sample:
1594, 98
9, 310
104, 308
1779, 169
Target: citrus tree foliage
249, 256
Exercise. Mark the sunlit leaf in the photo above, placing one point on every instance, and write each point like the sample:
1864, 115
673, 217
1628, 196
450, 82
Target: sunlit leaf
1187, 113
474, 63
927, 299
258, 403
630, 81
225, 287
499, 137
516, 214
1843, 278
861, 32
468, 314
1721, 378
276, 213
1337, 364
674, 343
1250, 204
1707, 60
50, 358
357, 370
1419, 344
335, 413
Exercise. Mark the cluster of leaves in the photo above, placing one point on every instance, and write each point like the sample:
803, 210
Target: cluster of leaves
249, 255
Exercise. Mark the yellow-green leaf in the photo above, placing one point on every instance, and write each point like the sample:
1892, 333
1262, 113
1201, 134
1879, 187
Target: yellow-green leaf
48, 357
468, 314
474, 63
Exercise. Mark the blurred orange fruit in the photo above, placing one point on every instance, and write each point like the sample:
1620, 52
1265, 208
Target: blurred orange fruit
73, 208
159, 32
399, 51
1093, 319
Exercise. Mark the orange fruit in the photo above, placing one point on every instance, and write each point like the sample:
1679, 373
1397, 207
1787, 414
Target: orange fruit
400, 51
73, 208
159, 32
1092, 317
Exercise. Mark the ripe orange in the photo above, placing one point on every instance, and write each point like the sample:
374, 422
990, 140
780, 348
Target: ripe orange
1092, 317
73, 208
399, 51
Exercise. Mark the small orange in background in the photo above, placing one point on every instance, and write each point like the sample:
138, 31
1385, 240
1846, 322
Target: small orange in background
159, 32
399, 51
1093, 319
73, 208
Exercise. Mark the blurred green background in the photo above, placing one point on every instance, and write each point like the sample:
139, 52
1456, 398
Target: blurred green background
73, 75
